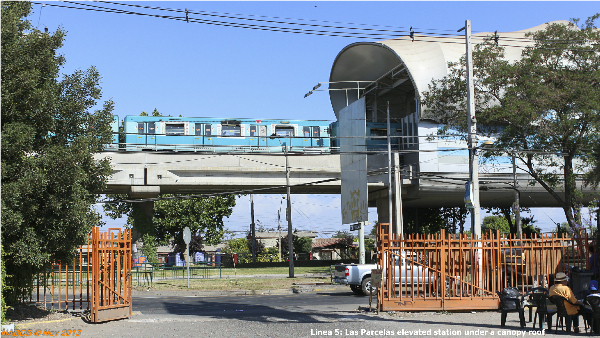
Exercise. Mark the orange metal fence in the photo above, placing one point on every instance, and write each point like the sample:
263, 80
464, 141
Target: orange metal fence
98, 279
66, 286
452, 272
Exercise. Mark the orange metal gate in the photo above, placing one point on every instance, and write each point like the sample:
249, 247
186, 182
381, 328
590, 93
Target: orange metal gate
98, 279
456, 272
111, 266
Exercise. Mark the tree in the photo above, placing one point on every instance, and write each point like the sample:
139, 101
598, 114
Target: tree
454, 218
343, 234
204, 217
237, 245
542, 108
303, 245
50, 179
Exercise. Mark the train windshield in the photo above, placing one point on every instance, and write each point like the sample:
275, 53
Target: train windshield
284, 131
175, 129
231, 130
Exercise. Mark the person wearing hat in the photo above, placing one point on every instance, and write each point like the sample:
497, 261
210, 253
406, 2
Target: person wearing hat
560, 288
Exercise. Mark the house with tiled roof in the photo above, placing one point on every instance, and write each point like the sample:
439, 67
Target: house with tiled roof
332, 248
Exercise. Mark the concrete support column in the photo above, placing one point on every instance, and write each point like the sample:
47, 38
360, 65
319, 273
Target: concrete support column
383, 214
143, 212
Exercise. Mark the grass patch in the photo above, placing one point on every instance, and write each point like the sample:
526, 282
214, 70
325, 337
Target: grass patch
229, 284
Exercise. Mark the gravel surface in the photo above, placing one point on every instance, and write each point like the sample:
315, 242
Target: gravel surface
315, 324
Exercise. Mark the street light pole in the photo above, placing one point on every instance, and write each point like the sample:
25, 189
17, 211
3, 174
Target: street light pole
472, 143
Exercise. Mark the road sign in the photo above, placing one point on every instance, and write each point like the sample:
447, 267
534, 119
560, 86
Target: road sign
187, 235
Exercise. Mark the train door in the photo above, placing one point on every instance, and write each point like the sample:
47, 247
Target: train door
253, 135
208, 134
311, 136
151, 135
263, 135
198, 139
144, 138
306, 140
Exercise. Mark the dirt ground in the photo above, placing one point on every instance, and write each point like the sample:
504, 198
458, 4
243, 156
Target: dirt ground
22, 314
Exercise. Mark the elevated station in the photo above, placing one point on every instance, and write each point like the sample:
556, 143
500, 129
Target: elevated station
432, 172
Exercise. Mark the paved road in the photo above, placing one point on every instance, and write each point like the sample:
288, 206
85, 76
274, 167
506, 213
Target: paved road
318, 312
337, 300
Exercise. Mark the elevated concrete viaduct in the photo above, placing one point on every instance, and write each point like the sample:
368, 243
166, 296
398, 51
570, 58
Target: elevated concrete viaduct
148, 174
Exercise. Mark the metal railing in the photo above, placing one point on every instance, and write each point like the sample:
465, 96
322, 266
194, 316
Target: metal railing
453, 272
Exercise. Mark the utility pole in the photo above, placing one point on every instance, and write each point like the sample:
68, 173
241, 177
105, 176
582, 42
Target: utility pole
289, 216
253, 229
517, 205
472, 129
279, 233
361, 243
473, 157
389, 146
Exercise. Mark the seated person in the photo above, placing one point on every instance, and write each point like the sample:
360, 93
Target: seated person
560, 288
593, 287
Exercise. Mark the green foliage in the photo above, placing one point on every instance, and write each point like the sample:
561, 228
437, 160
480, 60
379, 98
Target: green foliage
547, 101
204, 217
454, 218
563, 229
342, 234
237, 245
3, 286
242, 247
149, 248
302, 244
50, 179
423, 220
495, 223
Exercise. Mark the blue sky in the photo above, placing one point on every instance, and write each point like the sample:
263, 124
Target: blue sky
193, 69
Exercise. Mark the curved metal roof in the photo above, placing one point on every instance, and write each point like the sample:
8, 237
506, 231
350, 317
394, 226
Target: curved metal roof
421, 60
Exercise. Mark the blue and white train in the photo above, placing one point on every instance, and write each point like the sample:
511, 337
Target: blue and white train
200, 134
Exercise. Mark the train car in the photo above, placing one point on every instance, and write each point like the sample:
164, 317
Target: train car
165, 133
376, 134
114, 127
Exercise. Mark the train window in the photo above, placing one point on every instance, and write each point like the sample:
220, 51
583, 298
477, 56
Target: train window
231, 130
198, 128
284, 131
306, 131
175, 129
151, 128
140, 127
207, 130
253, 130
316, 131
378, 132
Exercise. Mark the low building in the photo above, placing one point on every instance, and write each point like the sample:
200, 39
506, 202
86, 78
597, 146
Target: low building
332, 248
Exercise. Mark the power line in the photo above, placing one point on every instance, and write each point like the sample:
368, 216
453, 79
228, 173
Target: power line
366, 33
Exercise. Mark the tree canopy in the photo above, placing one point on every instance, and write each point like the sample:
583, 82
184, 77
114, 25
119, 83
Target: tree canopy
50, 179
542, 108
